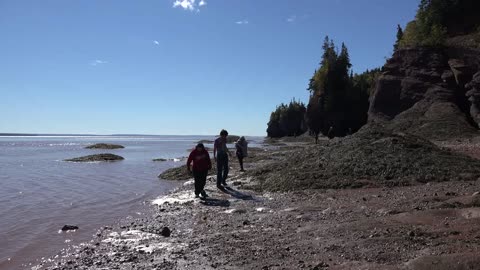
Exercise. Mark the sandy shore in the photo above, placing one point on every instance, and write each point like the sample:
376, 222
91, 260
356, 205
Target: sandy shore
431, 226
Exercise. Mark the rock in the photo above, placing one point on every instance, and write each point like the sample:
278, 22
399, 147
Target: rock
66, 228
320, 266
422, 93
166, 232
374, 154
159, 159
232, 138
181, 173
473, 96
462, 72
95, 158
206, 141
105, 146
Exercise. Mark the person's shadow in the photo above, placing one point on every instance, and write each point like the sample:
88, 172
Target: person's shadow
215, 202
237, 194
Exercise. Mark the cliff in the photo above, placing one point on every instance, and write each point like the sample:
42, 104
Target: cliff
430, 92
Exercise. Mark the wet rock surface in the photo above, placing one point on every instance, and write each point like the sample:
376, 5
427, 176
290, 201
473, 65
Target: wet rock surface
69, 228
105, 146
97, 158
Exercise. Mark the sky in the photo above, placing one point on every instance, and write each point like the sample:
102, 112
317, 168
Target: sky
175, 67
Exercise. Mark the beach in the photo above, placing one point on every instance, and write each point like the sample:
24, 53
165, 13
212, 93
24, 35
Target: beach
245, 227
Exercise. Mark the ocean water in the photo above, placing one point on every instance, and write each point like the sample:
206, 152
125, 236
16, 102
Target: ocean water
39, 192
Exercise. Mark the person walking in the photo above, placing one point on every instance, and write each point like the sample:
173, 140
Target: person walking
241, 145
221, 153
201, 165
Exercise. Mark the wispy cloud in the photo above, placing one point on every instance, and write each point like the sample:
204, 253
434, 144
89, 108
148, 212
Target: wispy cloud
156, 42
98, 62
242, 22
191, 5
292, 18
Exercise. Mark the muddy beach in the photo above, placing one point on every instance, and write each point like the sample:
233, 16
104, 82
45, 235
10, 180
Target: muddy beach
417, 225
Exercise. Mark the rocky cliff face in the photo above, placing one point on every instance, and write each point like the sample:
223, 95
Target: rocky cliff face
433, 93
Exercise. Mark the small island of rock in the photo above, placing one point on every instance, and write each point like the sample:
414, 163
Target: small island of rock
105, 146
95, 158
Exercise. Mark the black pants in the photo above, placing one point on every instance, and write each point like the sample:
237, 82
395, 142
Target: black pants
222, 168
200, 181
240, 160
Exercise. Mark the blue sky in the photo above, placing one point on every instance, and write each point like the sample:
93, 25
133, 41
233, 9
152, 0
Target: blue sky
175, 67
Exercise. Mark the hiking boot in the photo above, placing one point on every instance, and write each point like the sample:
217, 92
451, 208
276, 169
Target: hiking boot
197, 196
204, 194
225, 184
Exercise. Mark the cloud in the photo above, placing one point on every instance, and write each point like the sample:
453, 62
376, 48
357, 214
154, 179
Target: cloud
189, 4
242, 22
98, 62
156, 42
292, 18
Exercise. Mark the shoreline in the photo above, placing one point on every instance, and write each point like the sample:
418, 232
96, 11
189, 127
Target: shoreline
404, 227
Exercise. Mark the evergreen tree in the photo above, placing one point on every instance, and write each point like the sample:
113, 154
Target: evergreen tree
338, 98
399, 37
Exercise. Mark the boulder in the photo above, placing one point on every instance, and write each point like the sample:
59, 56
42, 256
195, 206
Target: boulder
95, 158
66, 228
105, 146
166, 232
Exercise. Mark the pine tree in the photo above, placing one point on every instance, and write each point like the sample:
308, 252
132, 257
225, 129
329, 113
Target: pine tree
399, 38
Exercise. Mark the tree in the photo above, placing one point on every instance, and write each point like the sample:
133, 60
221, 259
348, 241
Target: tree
438, 19
287, 120
399, 37
339, 99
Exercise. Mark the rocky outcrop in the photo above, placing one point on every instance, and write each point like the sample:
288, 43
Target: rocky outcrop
372, 156
105, 146
67, 228
425, 91
473, 95
96, 158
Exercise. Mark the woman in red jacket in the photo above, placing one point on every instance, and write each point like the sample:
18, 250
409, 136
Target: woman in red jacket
201, 165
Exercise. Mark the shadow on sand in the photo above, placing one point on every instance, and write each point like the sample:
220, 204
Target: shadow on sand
215, 202
237, 194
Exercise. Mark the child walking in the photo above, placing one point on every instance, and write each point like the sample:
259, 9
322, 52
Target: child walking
201, 165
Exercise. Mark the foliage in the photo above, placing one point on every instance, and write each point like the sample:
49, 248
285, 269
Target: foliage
399, 37
338, 100
438, 19
287, 120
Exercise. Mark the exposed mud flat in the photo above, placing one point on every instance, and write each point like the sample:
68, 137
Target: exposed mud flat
421, 226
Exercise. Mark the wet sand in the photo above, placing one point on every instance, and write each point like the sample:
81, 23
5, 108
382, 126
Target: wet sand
431, 226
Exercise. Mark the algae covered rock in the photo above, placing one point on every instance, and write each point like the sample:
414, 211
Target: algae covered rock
96, 158
105, 146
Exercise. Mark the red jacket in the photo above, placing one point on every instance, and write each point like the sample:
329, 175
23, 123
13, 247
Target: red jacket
201, 161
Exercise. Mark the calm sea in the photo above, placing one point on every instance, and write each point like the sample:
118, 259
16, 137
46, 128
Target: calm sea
39, 192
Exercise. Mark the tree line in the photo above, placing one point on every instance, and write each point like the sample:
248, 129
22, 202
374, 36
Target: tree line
436, 20
338, 103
